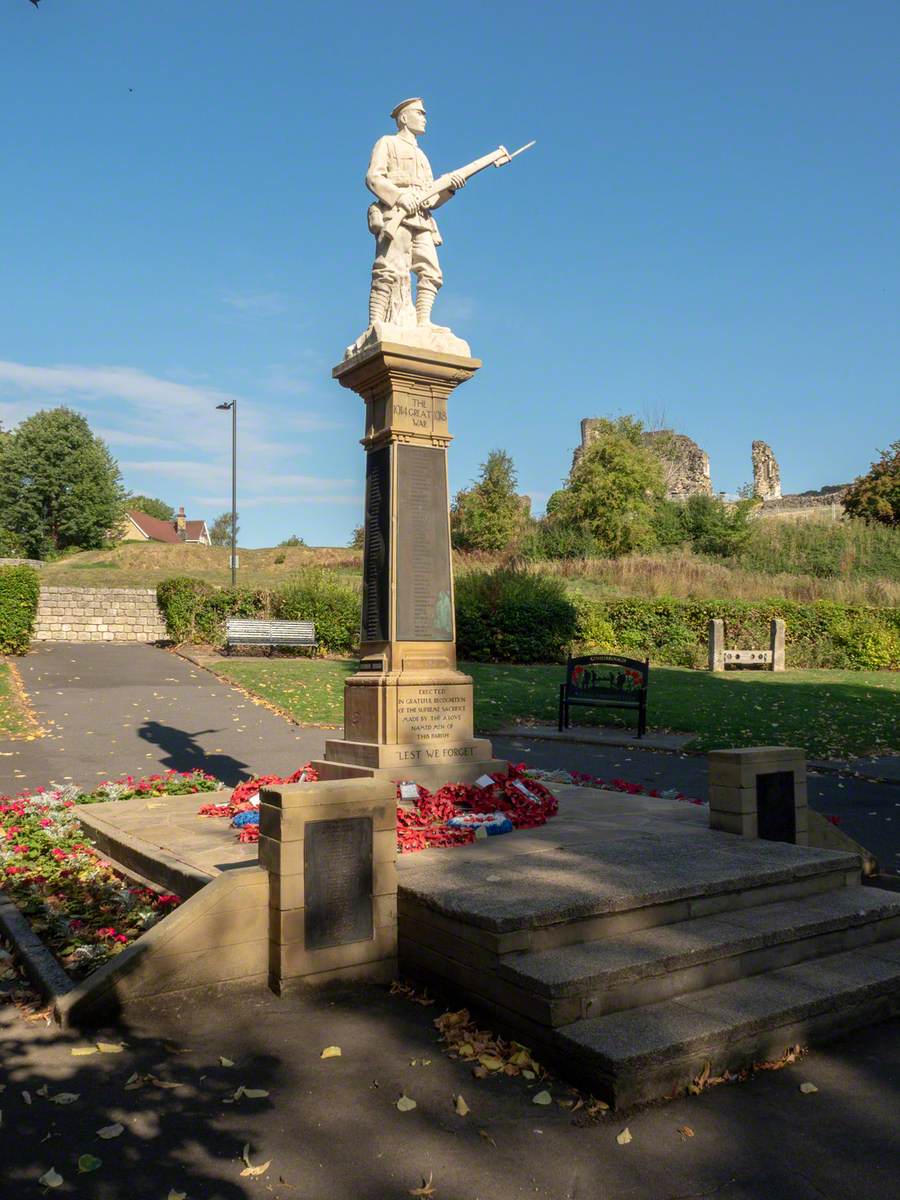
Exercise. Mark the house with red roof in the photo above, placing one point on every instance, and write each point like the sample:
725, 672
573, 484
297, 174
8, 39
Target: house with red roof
141, 527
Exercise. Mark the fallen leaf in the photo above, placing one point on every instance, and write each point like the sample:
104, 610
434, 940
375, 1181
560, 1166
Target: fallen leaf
26, 1096
42, 1091
405, 1104
462, 1108
110, 1047
255, 1093
64, 1098
245, 1154
173, 1195
260, 1170
162, 1083
528, 1074
427, 1188
685, 1131
542, 1098
110, 1131
88, 1162
225, 1062
487, 1137
51, 1178
331, 1052
808, 1088
82, 1051
624, 1137
490, 1062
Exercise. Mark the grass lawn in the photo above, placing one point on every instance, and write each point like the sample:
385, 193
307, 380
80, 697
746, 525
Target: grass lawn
831, 713
15, 719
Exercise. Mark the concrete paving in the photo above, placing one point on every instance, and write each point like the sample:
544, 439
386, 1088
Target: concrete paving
113, 710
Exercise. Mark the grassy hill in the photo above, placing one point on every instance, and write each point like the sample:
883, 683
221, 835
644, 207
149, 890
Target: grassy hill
680, 575
145, 564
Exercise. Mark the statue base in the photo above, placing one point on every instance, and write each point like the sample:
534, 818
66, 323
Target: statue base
422, 337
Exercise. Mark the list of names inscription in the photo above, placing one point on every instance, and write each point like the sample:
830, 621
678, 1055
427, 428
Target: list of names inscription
424, 591
337, 882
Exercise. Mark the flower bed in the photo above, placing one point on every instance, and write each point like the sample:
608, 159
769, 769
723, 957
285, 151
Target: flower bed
81, 908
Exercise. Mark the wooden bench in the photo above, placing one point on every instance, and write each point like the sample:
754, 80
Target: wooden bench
605, 681
241, 631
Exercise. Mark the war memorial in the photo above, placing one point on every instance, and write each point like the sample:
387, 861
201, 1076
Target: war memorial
637, 943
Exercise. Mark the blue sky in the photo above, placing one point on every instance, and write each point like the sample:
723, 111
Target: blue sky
706, 234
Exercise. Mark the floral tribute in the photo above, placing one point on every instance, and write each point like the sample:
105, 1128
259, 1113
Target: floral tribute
83, 911
451, 816
579, 779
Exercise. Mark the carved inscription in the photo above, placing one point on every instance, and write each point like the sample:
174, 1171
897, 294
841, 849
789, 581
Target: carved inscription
376, 559
424, 592
437, 712
337, 882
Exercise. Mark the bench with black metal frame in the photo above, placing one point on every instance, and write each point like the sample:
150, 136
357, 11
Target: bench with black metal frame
243, 631
605, 681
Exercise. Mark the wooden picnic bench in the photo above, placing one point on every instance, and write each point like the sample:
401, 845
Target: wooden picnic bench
605, 681
242, 631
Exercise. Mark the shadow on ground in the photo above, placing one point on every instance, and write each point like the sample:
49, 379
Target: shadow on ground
182, 752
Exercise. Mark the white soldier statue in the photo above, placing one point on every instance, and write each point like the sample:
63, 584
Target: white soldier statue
406, 234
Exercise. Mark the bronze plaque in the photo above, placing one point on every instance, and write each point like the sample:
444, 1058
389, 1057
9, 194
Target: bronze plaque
376, 556
337, 882
424, 591
775, 811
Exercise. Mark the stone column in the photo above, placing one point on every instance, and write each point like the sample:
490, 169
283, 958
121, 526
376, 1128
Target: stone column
408, 711
716, 645
776, 637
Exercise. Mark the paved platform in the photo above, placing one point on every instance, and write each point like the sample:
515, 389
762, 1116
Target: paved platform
652, 739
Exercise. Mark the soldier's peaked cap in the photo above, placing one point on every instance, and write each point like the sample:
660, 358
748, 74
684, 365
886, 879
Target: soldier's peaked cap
395, 113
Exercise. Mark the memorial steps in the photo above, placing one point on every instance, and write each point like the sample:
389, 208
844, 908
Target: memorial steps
629, 963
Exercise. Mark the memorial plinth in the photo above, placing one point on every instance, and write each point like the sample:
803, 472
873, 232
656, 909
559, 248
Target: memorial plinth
408, 711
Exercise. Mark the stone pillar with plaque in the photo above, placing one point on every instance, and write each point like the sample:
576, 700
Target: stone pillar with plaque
408, 710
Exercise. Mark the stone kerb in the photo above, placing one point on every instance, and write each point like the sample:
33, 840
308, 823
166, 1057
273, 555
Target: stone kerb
759, 792
74, 614
330, 850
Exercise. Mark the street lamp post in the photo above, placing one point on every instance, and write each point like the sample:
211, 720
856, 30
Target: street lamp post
232, 404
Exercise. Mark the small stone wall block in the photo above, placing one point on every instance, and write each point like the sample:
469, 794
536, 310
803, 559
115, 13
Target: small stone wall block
734, 789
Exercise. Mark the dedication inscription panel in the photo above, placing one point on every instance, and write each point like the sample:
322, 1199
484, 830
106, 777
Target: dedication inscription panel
439, 712
337, 882
376, 575
424, 604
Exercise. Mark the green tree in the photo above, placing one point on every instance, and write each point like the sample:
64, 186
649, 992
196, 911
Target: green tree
875, 496
715, 527
613, 490
152, 507
490, 515
59, 485
358, 537
293, 540
220, 530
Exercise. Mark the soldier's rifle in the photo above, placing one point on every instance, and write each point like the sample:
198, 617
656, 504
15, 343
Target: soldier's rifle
425, 197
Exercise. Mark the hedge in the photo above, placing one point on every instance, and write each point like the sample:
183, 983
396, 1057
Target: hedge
19, 592
196, 612
514, 616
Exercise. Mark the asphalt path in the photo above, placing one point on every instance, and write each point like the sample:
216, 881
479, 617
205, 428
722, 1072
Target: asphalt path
330, 1129
112, 710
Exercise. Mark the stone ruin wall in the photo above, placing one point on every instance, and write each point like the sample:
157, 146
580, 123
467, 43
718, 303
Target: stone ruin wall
766, 475
685, 464
686, 470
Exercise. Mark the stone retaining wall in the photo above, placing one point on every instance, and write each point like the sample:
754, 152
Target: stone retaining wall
73, 614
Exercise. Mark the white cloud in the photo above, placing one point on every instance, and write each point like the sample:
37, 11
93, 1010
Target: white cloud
254, 303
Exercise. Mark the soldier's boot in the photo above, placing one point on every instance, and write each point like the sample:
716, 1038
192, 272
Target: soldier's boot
378, 302
425, 294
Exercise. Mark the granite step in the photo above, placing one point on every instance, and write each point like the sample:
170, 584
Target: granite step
657, 1050
571, 983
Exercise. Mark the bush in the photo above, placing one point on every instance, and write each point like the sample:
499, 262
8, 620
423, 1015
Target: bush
509, 615
19, 593
195, 611
316, 595
822, 634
